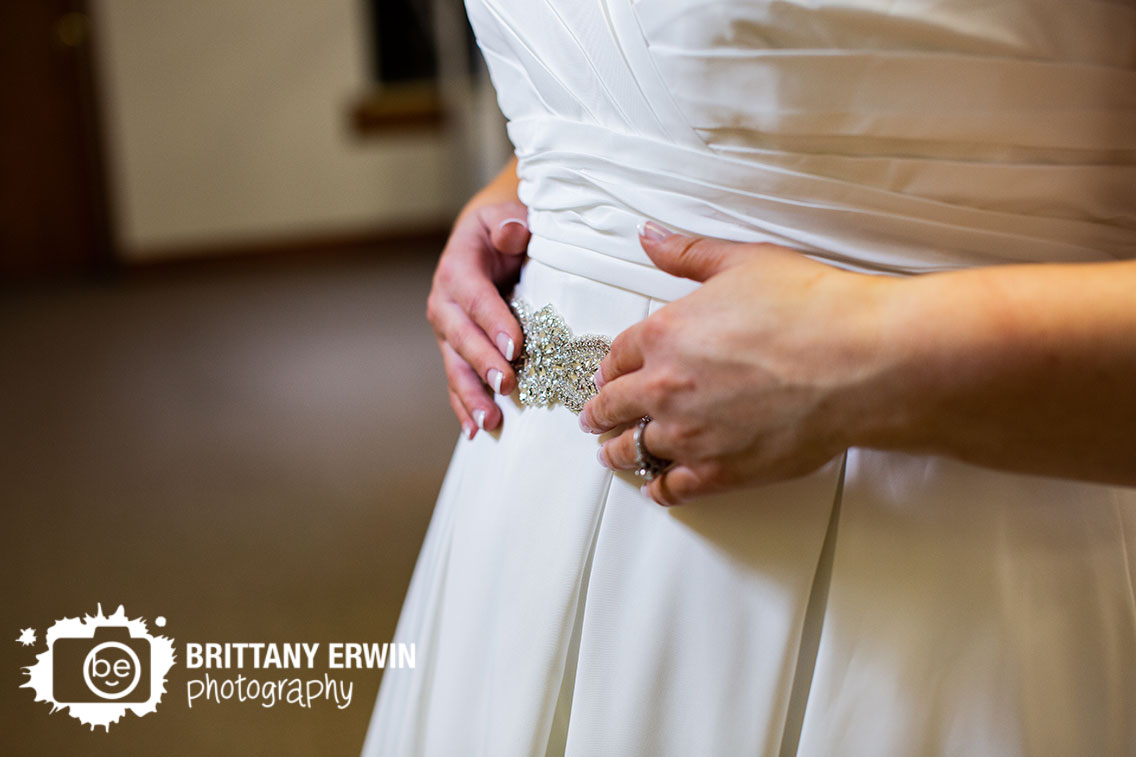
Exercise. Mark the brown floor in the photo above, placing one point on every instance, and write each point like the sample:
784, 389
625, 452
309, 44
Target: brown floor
251, 451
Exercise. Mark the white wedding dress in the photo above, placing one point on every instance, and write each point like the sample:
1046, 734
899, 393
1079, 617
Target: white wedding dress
888, 604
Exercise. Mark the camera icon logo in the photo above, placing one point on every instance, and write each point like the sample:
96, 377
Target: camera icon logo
108, 667
100, 667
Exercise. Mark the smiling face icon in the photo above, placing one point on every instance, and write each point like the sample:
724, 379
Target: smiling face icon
111, 666
112, 670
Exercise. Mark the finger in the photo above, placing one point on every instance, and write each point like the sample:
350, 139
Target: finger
474, 291
471, 271
696, 258
469, 428
487, 308
619, 402
620, 453
475, 349
464, 382
676, 486
508, 227
625, 356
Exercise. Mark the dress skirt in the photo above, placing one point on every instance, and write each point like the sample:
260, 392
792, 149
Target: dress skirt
886, 604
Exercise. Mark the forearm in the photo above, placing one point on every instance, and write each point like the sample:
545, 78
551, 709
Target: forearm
1023, 368
503, 187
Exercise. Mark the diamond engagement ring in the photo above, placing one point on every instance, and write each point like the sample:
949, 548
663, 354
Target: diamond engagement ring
647, 466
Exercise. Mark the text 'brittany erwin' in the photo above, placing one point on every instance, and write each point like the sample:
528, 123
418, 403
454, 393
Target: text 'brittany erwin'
272, 655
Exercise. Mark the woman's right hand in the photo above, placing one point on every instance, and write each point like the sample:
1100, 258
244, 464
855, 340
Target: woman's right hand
476, 330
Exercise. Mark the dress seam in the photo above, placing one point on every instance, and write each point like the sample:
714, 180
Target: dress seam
1125, 549
566, 697
811, 627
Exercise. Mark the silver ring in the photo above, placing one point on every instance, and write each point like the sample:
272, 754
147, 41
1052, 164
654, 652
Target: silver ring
647, 466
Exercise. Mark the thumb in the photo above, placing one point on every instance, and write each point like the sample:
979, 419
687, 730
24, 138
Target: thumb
696, 258
507, 224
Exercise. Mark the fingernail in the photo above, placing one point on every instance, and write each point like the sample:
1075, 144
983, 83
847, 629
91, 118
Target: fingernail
585, 424
479, 418
601, 458
519, 221
653, 231
494, 378
598, 378
505, 345
467, 429
643, 491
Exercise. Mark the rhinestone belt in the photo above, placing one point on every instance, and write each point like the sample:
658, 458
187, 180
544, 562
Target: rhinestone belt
554, 366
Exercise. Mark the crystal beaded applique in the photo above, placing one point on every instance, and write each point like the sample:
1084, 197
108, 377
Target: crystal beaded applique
555, 366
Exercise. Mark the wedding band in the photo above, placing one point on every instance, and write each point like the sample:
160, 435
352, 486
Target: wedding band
648, 466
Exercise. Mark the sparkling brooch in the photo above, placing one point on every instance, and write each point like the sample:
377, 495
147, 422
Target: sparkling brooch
555, 366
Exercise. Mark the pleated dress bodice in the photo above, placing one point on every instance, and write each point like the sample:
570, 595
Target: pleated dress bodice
901, 137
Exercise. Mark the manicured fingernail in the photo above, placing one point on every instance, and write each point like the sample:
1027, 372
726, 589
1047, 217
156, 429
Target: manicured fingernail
598, 378
643, 491
505, 345
479, 418
585, 424
468, 429
494, 378
653, 231
601, 458
519, 221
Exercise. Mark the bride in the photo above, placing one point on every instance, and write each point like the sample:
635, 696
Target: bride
855, 283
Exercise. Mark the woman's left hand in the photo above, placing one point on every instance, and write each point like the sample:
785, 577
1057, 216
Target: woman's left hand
761, 374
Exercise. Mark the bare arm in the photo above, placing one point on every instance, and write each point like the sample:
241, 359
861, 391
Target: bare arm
503, 187
778, 363
1029, 368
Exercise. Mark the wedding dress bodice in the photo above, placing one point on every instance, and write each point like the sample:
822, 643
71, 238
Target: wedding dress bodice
902, 137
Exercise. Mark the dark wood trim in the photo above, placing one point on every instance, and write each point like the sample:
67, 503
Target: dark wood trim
91, 106
381, 242
55, 218
394, 108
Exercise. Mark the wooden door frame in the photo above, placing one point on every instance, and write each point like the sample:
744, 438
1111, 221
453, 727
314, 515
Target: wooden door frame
54, 199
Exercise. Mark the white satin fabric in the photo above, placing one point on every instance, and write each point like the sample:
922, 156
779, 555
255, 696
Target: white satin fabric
887, 604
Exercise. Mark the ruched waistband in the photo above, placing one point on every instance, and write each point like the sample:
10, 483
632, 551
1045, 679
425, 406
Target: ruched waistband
588, 188
634, 277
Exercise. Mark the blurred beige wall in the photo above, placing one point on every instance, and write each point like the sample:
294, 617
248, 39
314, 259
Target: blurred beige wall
227, 121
